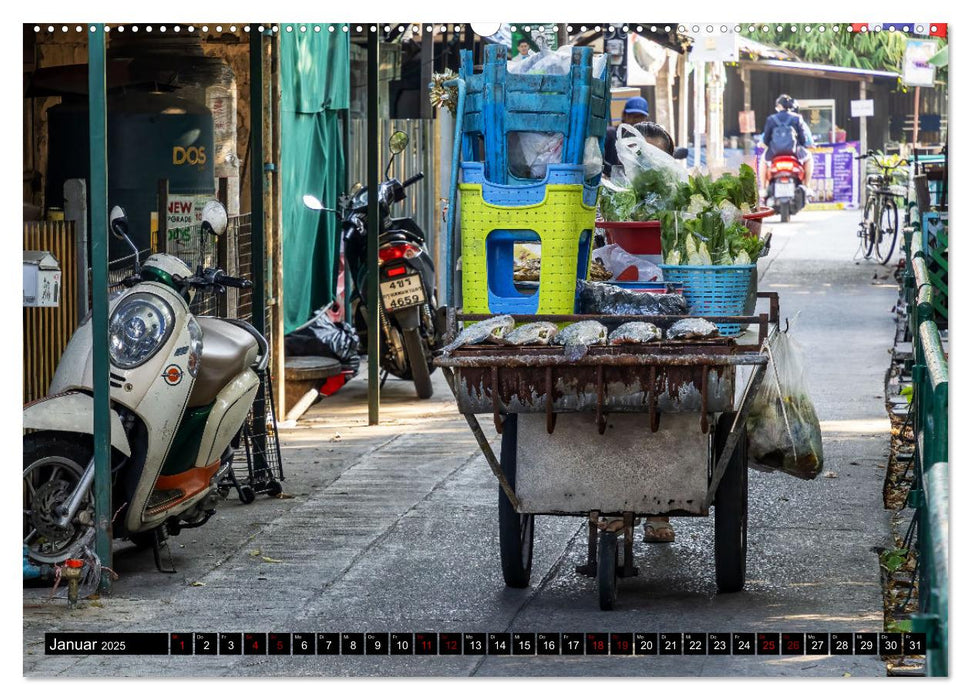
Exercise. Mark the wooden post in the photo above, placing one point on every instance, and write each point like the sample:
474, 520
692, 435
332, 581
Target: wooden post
747, 106
76, 210
699, 90
222, 252
913, 145
863, 148
684, 136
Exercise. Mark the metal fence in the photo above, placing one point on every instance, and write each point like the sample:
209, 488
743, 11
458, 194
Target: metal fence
420, 156
929, 494
48, 330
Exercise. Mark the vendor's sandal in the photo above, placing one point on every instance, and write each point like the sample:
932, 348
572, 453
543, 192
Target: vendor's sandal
658, 532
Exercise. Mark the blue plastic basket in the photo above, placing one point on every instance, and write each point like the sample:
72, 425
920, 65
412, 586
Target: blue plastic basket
713, 290
531, 193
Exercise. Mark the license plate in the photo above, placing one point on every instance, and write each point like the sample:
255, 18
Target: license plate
785, 189
402, 292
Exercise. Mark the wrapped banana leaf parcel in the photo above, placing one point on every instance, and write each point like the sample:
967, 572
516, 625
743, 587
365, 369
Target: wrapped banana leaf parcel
611, 300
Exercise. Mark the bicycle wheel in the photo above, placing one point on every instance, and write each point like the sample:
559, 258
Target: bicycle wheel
887, 230
868, 227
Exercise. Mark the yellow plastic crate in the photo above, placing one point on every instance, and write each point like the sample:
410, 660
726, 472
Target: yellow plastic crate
564, 227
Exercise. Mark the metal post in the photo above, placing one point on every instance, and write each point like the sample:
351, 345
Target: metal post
258, 216
98, 134
373, 229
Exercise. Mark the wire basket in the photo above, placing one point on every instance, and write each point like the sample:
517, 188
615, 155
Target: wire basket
714, 290
260, 447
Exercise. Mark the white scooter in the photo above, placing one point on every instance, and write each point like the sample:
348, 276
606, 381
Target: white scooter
180, 390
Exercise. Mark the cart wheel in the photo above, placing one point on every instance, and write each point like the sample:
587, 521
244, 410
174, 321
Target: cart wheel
607, 569
223, 491
274, 488
246, 494
515, 529
731, 511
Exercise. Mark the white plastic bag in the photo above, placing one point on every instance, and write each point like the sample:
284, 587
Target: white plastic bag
617, 260
637, 155
530, 152
593, 158
783, 429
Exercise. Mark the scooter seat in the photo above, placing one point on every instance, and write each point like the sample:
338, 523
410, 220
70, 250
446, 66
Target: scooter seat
227, 350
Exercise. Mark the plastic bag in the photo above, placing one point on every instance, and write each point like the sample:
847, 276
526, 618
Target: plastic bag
783, 429
601, 298
322, 337
593, 158
530, 152
618, 261
637, 155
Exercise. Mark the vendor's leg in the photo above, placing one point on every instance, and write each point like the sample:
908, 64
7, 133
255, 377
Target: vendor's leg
658, 530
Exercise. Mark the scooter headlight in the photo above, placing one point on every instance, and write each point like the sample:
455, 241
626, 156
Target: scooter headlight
138, 327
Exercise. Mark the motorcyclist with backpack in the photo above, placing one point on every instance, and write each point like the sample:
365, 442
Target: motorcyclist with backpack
786, 133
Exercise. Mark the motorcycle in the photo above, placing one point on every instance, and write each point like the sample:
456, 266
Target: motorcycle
786, 194
180, 390
411, 323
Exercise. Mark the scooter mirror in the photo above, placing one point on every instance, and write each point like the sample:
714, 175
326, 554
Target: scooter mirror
398, 142
214, 218
680, 153
312, 202
118, 223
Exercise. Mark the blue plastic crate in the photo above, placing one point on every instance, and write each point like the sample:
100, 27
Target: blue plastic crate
533, 192
713, 290
499, 103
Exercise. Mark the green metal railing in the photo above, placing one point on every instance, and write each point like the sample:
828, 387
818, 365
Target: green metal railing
929, 491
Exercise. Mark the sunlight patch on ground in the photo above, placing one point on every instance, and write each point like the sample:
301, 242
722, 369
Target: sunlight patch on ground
859, 426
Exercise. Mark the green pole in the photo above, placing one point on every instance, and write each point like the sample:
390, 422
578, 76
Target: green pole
98, 125
257, 175
373, 231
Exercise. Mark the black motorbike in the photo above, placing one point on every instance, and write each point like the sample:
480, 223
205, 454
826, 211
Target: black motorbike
411, 327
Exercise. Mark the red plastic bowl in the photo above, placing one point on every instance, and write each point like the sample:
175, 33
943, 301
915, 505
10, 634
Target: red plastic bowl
759, 214
636, 237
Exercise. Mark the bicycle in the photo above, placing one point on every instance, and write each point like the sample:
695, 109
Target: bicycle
879, 225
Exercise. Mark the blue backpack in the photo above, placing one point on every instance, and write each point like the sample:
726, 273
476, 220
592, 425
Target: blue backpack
783, 139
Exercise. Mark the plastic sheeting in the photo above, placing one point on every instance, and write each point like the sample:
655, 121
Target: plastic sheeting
315, 84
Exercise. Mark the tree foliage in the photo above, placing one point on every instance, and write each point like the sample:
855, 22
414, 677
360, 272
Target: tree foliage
867, 50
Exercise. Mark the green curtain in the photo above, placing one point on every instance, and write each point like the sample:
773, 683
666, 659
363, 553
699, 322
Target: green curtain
315, 84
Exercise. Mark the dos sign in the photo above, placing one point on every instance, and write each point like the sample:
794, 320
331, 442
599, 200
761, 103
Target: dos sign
191, 155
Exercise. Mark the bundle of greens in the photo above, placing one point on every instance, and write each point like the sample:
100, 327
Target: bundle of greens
650, 192
701, 219
739, 190
706, 239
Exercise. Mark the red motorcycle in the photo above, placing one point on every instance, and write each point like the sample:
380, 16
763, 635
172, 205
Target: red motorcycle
786, 195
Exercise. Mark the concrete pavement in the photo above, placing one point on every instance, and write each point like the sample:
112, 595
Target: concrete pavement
393, 528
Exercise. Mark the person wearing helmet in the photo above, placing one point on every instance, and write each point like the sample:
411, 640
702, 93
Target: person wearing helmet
786, 133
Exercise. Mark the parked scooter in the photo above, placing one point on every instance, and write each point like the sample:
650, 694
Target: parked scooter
180, 389
786, 194
411, 326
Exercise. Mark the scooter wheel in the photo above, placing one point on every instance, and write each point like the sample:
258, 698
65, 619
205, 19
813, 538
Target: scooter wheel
247, 495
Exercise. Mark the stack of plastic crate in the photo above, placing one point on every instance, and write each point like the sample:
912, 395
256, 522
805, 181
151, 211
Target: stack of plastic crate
500, 208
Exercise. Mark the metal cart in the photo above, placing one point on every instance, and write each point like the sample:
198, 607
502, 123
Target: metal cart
626, 431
